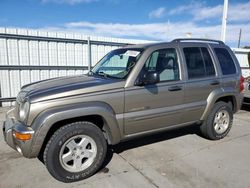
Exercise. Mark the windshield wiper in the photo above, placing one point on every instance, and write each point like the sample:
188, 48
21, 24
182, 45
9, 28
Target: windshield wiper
103, 74
98, 74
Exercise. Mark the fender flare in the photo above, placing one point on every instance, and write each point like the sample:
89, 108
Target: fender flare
214, 96
46, 119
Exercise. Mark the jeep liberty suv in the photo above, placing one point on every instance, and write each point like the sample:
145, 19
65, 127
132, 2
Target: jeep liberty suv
133, 91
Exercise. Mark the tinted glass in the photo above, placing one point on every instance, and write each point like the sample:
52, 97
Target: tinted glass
195, 64
165, 63
210, 71
226, 62
199, 62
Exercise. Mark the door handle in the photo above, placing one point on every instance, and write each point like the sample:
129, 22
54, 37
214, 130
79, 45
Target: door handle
215, 82
175, 88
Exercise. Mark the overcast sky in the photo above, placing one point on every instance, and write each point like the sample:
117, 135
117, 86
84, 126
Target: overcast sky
160, 20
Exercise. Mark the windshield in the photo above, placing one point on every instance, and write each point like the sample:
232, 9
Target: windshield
117, 64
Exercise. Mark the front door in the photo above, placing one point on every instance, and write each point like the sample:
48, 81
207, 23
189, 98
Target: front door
155, 106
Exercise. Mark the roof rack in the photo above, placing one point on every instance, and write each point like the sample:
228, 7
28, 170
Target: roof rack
198, 39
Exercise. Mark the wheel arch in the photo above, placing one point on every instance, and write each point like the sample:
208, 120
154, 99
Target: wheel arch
228, 99
226, 95
51, 120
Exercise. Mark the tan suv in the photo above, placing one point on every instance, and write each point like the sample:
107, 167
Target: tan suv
131, 92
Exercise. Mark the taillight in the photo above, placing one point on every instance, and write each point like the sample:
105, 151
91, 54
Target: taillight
242, 79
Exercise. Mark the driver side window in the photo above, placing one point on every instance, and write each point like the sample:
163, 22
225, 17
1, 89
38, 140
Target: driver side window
165, 63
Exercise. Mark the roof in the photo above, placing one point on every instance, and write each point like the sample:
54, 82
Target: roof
195, 40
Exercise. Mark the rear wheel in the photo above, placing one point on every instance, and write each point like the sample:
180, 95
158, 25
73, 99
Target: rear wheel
75, 152
219, 121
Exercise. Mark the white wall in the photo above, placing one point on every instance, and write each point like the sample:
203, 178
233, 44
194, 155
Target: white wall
242, 56
43, 53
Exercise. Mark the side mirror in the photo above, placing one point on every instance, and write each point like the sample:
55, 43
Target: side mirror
149, 78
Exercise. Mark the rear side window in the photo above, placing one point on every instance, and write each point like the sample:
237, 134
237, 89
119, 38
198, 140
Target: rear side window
208, 62
199, 62
226, 62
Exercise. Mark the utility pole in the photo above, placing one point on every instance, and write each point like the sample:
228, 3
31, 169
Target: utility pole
239, 39
224, 21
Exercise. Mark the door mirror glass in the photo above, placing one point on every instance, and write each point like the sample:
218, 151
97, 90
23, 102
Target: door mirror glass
149, 78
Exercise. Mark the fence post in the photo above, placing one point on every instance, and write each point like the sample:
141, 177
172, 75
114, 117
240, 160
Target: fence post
248, 57
0, 95
89, 54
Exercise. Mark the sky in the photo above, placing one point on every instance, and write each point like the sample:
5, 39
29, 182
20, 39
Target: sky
157, 20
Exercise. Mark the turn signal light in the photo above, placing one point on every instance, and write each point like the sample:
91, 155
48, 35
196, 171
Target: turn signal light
21, 136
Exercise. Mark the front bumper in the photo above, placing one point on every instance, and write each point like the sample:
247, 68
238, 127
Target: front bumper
11, 126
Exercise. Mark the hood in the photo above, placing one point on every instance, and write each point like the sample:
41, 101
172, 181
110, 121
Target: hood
68, 86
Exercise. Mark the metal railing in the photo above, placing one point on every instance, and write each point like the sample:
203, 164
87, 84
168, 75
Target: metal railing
41, 67
59, 39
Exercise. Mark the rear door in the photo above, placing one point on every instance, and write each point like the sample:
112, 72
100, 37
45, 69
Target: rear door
201, 79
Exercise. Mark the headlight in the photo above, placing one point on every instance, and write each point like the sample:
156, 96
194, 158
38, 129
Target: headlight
24, 110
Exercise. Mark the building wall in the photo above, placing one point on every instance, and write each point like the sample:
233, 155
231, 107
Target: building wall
242, 56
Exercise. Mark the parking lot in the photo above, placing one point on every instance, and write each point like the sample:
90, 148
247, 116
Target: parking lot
179, 158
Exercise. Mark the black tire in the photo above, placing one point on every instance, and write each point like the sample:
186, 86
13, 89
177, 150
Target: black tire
208, 128
60, 137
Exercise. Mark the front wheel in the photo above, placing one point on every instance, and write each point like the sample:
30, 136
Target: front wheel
219, 122
75, 151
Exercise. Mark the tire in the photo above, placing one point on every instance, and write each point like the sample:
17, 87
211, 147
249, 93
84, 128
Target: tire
75, 152
219, 122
